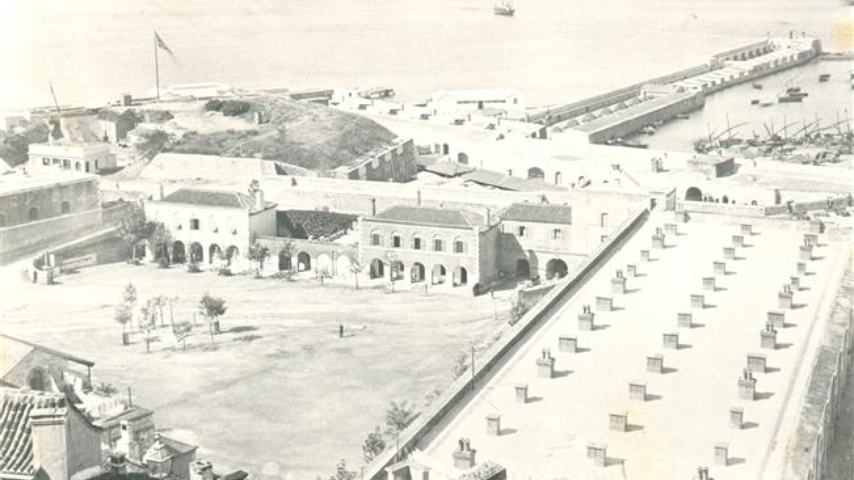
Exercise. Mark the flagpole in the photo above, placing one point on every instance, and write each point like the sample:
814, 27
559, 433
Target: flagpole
156, 69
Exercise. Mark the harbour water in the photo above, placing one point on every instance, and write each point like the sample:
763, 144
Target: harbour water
828, 101
552, 50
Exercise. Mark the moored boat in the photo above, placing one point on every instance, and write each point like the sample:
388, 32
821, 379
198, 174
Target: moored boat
504, 8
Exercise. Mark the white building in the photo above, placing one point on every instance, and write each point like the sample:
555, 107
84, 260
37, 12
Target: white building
207, 225
81, 157
494, 100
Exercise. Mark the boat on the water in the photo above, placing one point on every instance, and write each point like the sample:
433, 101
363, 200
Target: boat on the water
504, 8
824, 77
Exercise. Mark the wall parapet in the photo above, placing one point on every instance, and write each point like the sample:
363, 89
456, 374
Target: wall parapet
462, 390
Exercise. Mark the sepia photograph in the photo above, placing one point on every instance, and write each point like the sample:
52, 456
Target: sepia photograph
440, 240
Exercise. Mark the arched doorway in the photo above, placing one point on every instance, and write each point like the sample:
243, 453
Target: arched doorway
284, 260
377, 269
556, 268
416, 273
231, 254
462, 158
197, 253
536, 173
558, 178
303, 262
178, 253
438, 274
445, 149
694, 194
461, 276
214, 252
523, 268
34, 213
37, 381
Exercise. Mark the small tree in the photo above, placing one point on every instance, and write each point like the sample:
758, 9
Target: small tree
123, 316
356, 268
148, 323
160, 237
153, 142
461, 365
212, 308
398, 416
158, 303
341, 472
391, 259
288, 251
256, 254
322, 274
134, 228
373, 445
517, 311
181, 331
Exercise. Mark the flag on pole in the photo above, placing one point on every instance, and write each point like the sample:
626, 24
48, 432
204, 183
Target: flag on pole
161, 44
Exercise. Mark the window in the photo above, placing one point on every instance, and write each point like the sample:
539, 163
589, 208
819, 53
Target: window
459, 246
55, 161
45, 161
557, 234
437, 244
521, 230
66, 164
34, 213
66, 208
194, 224
395, 241
375, 239
416, 243
77, 166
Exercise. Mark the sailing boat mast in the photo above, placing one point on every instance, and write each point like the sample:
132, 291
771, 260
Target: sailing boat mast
156, 69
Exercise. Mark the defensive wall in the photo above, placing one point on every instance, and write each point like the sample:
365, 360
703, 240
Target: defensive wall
19, 240
462, 390
758, 211
808, 454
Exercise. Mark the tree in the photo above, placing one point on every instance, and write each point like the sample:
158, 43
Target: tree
134, 228
123, 316
517, 310
129, 296
461, 365
391, 259
256, 254
322, 274
153, 142
373, 445
288, 251
148, 323
212, 308
181, 332
341, 472
398, 416
356, 268
160, 238
158, 303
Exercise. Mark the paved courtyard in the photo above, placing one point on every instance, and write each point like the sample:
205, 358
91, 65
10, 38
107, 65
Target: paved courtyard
279, 393
686, 411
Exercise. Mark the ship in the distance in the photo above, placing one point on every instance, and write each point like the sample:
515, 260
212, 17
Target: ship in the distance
504, 8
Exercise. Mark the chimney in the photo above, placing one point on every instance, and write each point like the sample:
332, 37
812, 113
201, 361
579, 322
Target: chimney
258, 195
53, 450
201, 470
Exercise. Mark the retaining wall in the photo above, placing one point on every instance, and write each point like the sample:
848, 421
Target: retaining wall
461, 391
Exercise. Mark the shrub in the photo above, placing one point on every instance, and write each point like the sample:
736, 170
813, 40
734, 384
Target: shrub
213, 105
225, 272
233, 108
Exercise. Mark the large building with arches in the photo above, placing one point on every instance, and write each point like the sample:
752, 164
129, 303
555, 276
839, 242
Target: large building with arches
436, 247
211, 226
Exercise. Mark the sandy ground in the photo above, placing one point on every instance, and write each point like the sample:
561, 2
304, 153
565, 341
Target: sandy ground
687, 410
279, 392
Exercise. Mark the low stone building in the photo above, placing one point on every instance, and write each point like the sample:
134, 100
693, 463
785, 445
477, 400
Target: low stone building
208, 224
34, 367
395, 163
45, 437
536, 240
434, 245
80, 157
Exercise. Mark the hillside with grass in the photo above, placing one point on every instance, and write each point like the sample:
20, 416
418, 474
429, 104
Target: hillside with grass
307, 135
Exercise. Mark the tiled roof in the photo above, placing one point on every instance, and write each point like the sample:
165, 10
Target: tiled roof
538, 212
210, 198
16, 447
505, 182
447, 169
431, 216
165, 448
14, 350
